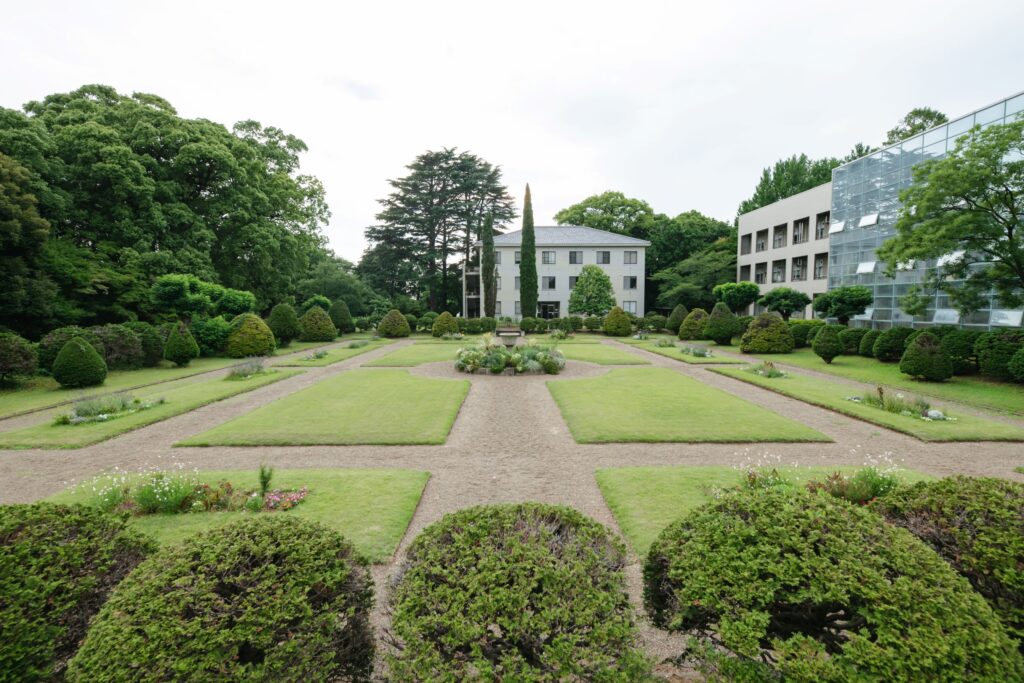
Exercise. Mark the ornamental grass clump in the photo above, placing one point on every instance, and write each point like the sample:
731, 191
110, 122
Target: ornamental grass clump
246, 369
776, 584
515, 592
862, 487
899, 404
272, 598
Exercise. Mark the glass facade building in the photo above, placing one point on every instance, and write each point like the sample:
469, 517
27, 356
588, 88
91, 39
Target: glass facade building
865, 205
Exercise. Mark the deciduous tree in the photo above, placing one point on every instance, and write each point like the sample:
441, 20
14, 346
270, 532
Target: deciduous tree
593, 293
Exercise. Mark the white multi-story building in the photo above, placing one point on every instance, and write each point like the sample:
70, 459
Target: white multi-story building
562, 251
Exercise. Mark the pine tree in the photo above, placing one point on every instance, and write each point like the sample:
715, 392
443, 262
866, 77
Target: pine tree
487, 272
528, 262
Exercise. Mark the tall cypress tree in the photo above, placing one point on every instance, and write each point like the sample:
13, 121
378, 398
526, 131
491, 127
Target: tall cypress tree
487, 272
528, 262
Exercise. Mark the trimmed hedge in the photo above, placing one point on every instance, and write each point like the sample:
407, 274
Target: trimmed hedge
426, 321
593, 323
721, 325
54, 341
959, 346
975, 524
891, 344
807, 587
692, 326
394, 325
994, 351
57, 565
283, 321
250, 336
767, 333
316, 300
676, 318
516, 592
800, 329
653, 321
617, 324
152, 342
317, 326
342, 317
851, 338
867, 343
181, 346
78, 365
1016, 365
17, 357
446, 323
828, 342
272, 597
925, 359
211, 334
122, 348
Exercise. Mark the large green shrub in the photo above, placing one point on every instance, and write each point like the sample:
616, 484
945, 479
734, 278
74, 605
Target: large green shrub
250, 336
994, 351
959, 346
1016, 365
152, 342
977, 525
767, 333
800, 330
122, 348
801, 586
51, 344
394, 325
593, 323
653, 321
17, 357
444, 324
269, 598
78, 365
851, 338
867, 343
317, 300
426, 321
828, 342
676, 318
211, 334
525, 592
57, 565
284, 323
925, 359
721, 325
317, 326
181, 346
692, 326
342, 317
891, 344
617, 324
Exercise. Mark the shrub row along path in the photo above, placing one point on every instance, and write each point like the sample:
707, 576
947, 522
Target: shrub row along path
509, 443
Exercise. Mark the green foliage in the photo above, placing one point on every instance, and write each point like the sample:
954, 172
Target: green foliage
341, 317
611, 212
737, 295
393, 325
743, 322
916, 121
78, 365
674, 240
593, 294
55, 340
152, 342
517, 592
862, 487
693, 325
652, 321
528, 260
211, 334
842, 303
977, 525
925, 359
187, 295
122, 348
316, 325
787, 178
284, 323
444, 324
994, 351
891, 344
57, 565
767, 333
866, 347
806, 587
493, 356
17, 357
234, 302
721, 325
785, 301
316, 300
250, 336
801, 329
181, 346
851, 338
676, 318
272, 597
617, 324
488, 272
828, 342
426, 321
1016, 365
691, 281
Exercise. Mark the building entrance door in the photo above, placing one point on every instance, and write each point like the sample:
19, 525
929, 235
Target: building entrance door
548, 309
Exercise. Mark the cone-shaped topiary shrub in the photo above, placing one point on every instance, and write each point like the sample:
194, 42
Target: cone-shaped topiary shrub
523, 592
851, 338
51, 344
891, 344
181, 346
676, 318
269, 598
317, 326
867, 343
446, 324
78, 365
806, 587
250, 336
152, 343
284, 323
959, 346
342, 317
925, 359
394, 325
57, 565
767, 333
994, 351
692, 326
17, 357
617, 324
721, 325
828, 342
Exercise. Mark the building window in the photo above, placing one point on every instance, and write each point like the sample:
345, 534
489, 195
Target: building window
629, 282
779, 236
821, 225
744, 273
547, 258
761, 243
517, 283
761, 273
799, 269
629, 306
604, 257
497, 258
575, 257
779, 271
547, 282
519, 309
629, 258
820, 266
801, 230
497, 308
572, 281
497, 283
519, 256
745, 243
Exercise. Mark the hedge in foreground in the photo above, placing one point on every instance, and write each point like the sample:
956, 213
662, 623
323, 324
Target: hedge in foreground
525, 592
807, 587
977, 525
57, 565
767, 333
78, 365
51, 344
249, 336
317, 326
270, 597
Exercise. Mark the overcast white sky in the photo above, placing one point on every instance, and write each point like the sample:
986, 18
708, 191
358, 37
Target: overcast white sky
680, 104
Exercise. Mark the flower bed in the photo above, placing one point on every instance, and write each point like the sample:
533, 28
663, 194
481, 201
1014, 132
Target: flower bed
899, 404
104, 408
490, 355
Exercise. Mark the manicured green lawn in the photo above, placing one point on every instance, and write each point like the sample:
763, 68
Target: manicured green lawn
645, 500
418, 354
600, 354
833, 396
335, 354
968, 390
658, 404
179, 399
676, 353
380, 407
372, 508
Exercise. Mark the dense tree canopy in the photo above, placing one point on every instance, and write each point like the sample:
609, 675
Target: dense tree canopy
593, 294
916, 121
691, 281
612, 212
787, 178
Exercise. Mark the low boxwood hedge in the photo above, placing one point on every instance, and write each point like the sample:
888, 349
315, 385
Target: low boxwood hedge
525, 592
801, 586
268, 598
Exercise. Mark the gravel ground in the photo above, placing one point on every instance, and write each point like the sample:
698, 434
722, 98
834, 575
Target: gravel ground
508, 444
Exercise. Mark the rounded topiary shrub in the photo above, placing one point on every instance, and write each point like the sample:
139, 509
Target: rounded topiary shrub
800, 329
959, 346
51, 344
250, 336
676, 318
426, 321
342, 317
891, 344
152, 342
866, 347
593, 323
316, 300
828, 342
394, 324
692, 326
211, 334
181, 346
78, 365
655, 322
317, 326
813, 332
721, 325
925, 359
17, 357
851, 338
802, 586
525, 592
284, 323
122, 348
767, 333
617, 324
994, 351
272, 597
57, 565
446, 323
